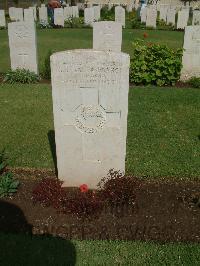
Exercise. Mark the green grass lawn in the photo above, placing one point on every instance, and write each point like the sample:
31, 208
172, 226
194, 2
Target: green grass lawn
163, 129
24, 250
65, 39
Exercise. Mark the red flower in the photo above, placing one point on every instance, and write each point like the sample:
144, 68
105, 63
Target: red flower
83, 188
145, 35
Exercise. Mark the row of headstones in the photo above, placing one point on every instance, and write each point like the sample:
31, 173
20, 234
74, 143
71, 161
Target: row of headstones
168, 14
91, 15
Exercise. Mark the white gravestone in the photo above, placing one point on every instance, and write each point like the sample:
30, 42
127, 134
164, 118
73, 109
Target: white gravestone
90, 105
171, 16
191, 53
183, 16
59, 17
22, 43
107, 36
151, 17
2, 18
97, 13
18, 14
143, 14
43, 17
34, 12
163, 12
11, 12
67, 12
29, 15
75, 12
89, 16
196, 17
120, 15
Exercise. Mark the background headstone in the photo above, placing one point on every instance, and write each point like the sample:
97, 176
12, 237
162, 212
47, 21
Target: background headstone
75, 11
183, 16
59, 17
89, 16
191, 53
29, 15
18, 14
107, 36
2, 18
43, 14
90, 105
34, 12
151, 17
171, 16
196, 17
97, 13
22, 43
120, 15
143, 14
11, 12
67, 12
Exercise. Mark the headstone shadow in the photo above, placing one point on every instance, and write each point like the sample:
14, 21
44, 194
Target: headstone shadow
52, 144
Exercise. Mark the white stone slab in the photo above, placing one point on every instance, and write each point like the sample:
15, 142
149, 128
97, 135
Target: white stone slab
18, 14
29, 15
34, 12
120, 15
59, 17
67, 12
151, 17
171, 16
196, 17
183, 16
89, 16
163, 12
2, 18
143, 14
75, 12
22, 43
90, 106
97, 13
107, 36
11, 12
43, 17
191, 53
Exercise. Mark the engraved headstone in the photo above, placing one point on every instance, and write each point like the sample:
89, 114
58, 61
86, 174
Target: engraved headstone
67, 12
151, 17
34, 12
107, 36
120, 15
75, 12
22, 43
143, 14
90, 105
29, 15
163, 12
11, 12
43, 14
171, 15
59, 17
191, 53
196, 17
18, 14
2, 18
97, 12
183, 16
89, 16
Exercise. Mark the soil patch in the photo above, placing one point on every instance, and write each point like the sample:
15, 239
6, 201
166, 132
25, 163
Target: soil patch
163, 211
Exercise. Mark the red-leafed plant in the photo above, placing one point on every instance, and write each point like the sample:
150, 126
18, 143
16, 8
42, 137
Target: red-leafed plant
49, 192
117, 188
145, 35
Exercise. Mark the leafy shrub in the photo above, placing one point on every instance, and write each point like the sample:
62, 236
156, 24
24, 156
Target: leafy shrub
49, 192
195, 82
8, 185
117, 188
155, 64
74, 22
21, 76
136, 24
106, 14
46, 71
44, 25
